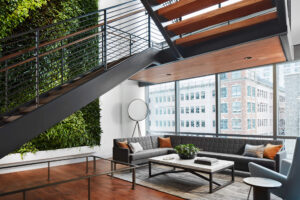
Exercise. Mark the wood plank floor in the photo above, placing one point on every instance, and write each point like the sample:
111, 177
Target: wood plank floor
102, 187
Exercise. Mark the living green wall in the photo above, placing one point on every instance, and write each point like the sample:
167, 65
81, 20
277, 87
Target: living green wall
83, 127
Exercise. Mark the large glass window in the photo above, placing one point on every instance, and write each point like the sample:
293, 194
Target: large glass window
164, 108
239, 108
288, 98
202, 108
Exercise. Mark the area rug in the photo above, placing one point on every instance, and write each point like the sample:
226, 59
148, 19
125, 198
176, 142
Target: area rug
189, 186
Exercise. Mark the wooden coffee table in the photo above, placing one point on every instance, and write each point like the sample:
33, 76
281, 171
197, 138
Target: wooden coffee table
191, 167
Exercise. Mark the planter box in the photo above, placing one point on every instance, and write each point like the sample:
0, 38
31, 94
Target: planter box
15, 159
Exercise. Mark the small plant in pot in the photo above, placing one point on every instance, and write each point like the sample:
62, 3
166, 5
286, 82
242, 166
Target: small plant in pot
186, 151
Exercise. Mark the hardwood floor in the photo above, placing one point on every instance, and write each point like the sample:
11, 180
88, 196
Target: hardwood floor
102, 187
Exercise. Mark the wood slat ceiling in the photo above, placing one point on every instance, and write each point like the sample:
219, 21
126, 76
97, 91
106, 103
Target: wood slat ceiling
262, 52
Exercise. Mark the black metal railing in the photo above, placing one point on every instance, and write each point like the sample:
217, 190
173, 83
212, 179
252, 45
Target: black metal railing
88, 177
34, 62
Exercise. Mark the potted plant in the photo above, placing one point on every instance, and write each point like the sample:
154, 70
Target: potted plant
186, 151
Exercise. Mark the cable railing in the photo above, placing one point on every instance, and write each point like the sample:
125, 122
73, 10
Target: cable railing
39, 60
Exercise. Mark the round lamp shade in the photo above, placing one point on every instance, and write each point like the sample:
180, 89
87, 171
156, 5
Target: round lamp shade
138, 110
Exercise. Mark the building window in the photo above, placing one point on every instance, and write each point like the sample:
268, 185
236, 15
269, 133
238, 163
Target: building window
192, 109
203, 109
182, 97
192, 96
214, 123
236, 107
236, 74
187, 124
182, 110
224, 108
249, 107
224, 124
187, 96
253, 91
236, 123
223, 92
203, 95
214, 108
213, 93
236, 91
203, 123
182, 123
253, 107
192, 124
249, 91
223, 76
197, 109
253, 123
197, 95
197, 123
187, 110
249, 123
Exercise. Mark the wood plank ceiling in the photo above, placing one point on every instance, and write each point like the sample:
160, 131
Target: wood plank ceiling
251, 54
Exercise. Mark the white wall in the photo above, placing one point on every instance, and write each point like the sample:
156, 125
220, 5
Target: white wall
115, 122
295, 22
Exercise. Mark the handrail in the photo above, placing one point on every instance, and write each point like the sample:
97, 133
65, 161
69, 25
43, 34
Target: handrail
113, 170
59, 39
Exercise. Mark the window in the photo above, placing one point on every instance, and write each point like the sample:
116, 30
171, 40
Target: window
182, 110
288, 99
214, 108
192, 96
249, 123
258, 84
187, 124
203, 95
236, 74
224, 108
236, 91
236, 123
213, 93
182, 97
249, 107
223, 92
201, 116
249, 91
187, 97
163, 111
182, 123
236, 107
203, 109
223, 76
214, 123
224, 124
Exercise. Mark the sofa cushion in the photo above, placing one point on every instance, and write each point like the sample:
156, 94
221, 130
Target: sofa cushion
155, 143
164, 142
241, 162
175, 140
149, 153
145, 142
256, 151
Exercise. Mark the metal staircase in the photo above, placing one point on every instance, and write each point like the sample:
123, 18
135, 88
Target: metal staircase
193, 27
51, 72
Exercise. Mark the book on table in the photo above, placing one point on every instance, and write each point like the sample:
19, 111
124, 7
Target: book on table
206, 160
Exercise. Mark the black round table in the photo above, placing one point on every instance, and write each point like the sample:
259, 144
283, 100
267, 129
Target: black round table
261, 187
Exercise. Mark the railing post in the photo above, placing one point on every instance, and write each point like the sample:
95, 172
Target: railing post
149, 31
62, 63
130, 44
37, 70
6, 88
105, 40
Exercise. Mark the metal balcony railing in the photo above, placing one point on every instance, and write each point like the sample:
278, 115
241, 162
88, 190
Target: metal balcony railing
36, 61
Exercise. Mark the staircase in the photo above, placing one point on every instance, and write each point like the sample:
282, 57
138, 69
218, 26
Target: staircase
48, 74
192, 27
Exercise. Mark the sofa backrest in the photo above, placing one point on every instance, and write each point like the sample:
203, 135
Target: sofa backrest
146, 142
224, 145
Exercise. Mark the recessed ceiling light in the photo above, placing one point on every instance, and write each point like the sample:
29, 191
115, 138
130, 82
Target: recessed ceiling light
168, 74
248, 58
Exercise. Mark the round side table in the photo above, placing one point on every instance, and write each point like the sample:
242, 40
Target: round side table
261, 187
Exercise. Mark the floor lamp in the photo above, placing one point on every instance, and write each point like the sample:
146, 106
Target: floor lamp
137, 111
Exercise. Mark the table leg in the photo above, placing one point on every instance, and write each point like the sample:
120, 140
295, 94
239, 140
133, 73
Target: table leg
232, 173
149, 169
261, 193
210, 183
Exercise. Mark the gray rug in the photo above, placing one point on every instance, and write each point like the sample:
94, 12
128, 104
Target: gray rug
189, 186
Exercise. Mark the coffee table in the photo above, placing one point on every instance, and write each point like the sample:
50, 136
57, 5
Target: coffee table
261, 187
191, 167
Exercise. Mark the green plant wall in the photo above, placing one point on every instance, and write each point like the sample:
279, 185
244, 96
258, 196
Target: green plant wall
83, 127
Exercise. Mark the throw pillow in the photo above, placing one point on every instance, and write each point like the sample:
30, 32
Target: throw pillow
164, 142
271, 151
135, 147
254, 151
123, 144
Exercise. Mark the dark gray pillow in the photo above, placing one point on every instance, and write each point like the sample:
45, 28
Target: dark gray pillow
256, 151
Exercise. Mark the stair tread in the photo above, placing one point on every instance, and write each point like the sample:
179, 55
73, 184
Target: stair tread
213, 33
185, 7
233, 11
11, 118
28, 108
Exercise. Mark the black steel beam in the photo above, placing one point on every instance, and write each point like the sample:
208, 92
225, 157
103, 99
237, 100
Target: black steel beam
163, 31
22, 130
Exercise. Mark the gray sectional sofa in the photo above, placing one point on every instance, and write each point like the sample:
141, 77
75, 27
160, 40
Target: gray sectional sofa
221, 148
